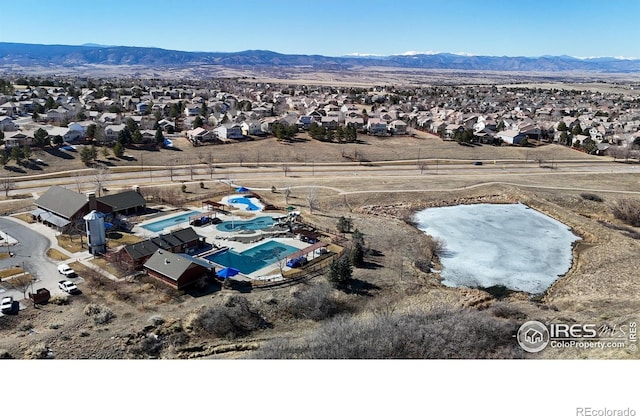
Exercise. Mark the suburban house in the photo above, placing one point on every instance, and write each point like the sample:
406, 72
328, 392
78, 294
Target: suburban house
180, 241
398, 127
7, 124
142, 108
177, 270
111, 132
377, 127
229, 131
199, 134
250, 128
510, 136
18, 139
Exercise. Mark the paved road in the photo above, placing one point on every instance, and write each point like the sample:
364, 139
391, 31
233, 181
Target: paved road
29, 251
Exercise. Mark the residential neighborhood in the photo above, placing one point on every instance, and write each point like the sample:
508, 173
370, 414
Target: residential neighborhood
86, 111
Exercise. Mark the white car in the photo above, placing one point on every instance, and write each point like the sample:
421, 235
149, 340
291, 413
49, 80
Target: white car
67, 286
7, 304
66, 270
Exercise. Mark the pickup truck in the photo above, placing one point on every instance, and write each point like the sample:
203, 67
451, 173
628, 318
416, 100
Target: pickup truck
67, 286
66, 270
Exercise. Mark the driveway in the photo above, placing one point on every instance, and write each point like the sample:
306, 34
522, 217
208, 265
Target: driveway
29, 251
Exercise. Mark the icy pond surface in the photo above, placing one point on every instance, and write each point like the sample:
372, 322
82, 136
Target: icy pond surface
494, 244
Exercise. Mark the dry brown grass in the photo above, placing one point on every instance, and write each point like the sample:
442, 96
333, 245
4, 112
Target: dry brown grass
56, 255
72, 244
26, 217
11, 271
120, 238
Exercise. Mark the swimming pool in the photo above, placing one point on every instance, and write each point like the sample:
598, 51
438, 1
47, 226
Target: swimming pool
241, 200
160, 225
255, 258
258, 223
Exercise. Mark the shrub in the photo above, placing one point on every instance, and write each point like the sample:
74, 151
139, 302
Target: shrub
316, 302
507, 311
100, 313
233, 319
437, 246
5, 355
37, 352
442, 334
592, 197
628, 210
59, 299
156, 320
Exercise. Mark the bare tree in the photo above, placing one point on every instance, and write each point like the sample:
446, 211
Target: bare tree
7, 183
422, 166
286, 192
21, 283
191, 169
312, 198
285, 169
171, 167
210, 164
241, 158
100, 177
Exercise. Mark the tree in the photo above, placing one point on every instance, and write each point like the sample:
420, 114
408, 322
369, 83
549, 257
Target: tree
589, 145
21, 283
88, 154
197, 122
576, 130
57, 140
118, 150
26, 153
105, 152
344, 224
136, 137
565, 139
100, 178
91, 131
286, 192
340, 271
312, 198
357, 252
562, 126
7, 183
17, 154
159, 137
40, 137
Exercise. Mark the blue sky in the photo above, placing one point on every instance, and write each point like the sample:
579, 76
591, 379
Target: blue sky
581, 28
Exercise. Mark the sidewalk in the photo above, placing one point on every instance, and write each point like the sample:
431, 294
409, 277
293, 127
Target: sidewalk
83, 257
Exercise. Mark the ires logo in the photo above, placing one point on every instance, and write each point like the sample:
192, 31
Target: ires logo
534, 336
570, 332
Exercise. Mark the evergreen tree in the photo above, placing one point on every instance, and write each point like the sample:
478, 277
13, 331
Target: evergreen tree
118, 150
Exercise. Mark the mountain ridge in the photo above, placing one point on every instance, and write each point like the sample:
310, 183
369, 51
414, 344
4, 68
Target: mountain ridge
25, 55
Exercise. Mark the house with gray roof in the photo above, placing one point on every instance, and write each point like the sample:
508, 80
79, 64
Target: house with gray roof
59, 207
127, 202
179, 241
176, 270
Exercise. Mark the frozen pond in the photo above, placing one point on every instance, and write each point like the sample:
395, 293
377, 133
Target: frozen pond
494, 244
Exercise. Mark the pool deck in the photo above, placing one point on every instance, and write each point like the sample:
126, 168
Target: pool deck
239, 241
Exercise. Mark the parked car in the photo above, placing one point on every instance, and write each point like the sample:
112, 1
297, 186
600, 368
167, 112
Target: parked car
67, 286
297, 262
66, 270
7, 304
477, 163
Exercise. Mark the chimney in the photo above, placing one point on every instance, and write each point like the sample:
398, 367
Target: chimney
136, 188
93, 204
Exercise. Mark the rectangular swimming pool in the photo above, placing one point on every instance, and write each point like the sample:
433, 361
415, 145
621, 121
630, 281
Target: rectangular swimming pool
160, 225
255, 258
